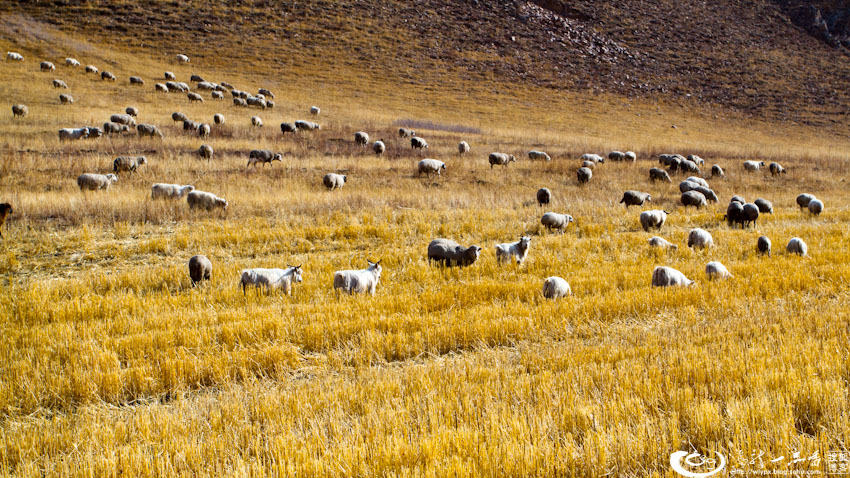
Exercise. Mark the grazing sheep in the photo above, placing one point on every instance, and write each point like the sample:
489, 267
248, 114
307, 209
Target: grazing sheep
803, 200
635, 198
735, 214
513, 250
656, 241
179, 117
554, 220
128, 163
149, 130
288, 128
271, 278
700, 238
361, 138
47, 66
653, 219
60, 84
657, 174
717, 172
239, 94
196, 79
686, 186
450, 253
753, 166
709, 194
256, 101
630, 156
738, 199
378, 147
716, 270
5, 212
797, 246
265, 92
94, 182
555, 287
135, 80
204, 130
616, 156
776, 169
206, 86
263, 156
500, 158
334, 181
205, 151
217, 95
177, 86
205, 200
314, 110
19, 111
190, 125
123, 119
66, 99
73, 133
463, 148
14, 56
170, 76
698, 180
816, 206
584, 175
95, 132
688, 166
182, 58
592, 157
106, 75
170, 191
750, 215
406, 133
111, 128
200, 269
418, 143
218, 118
269, 104
91, 69
544, 196
696, 159
674, 163
239, 102
301, 125
693, 198
588, 164
534, 155
663, 276
430, 166
359, 281
193, 97
763, 245
226, 85
132, 111
764, 205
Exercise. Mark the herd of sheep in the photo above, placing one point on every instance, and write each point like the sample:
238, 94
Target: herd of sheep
695, 190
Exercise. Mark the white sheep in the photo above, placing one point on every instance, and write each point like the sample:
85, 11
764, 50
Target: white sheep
815, 206
19, 111
132, 111
91, 69
499, 158
700, 238
66, 99
302, 125
630, 156
218, 118
653, 219
73, 133
47, 66
194, 97
753, 166
60, 84
776, 169
555, 287
217, 95
463, 148
359, 281
804, 199
170, 76
205, 151
797, 246
123, 119
271, 279
14, 56
418, 143
763, 245
161, 87
583, 175
71, 62
334, 181
257, 121
314, 110
170, 191
430, 166
716, 270
182, 58
204, 130
538, 155
592, 157
663, 276
106, 75
361, 138
554, 220
265, 92
378, 147
513, 250
94, 182
150, 130
656, 241
135, 80
205, 200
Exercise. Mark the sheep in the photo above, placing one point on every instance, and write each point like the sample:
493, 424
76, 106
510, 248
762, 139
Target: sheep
72, 62
288, 128
361, 138
14, 56
204, 130
700, 238
663, 276
205, 151
225, 86
73, 133
205, 200
169, 76
763, 245
686, 186
206, 86
696, 159
265, 92
179, 117
673, 163
656, 241
196, 78
135, 80
263, 156
177, 86
696, 179
200, 269
534, 155
256, 121
709, 194
271, 278
194, 97
5, 212
630, 156
111, 128
334, 181
149, 130
181, 58
218, 118
738, 199
123, 119
584, 175
693, 198
256, 101
544, 196
518, 250
616, 156
749, 215
430, 166
190, 125
717, 171
657, 174
217, 95
59, 84
500, 159
463, 148
47, 66
764, 205
95, 132
797, 246
716, 270
106, 75
752, 166
269, 104
554, 220
132, 111
588, 164
592, 157
688, 166
378, 147
359, 281
816, 206
776, 169
555, 287
301, 125
804, 199
239, 94
91, 69
239, 102
19, 111
735, 214
418, 143
94, 182
635, 198
653, 219
128, 163
450, 253
66, 99
314, 110
170, 191
406, 133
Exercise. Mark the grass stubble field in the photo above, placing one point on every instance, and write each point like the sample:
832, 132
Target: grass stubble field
112, 365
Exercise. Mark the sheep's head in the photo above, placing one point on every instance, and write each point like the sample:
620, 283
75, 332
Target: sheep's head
375, 266
511, 158
649, 198
296, 273
277, 157
524, 242
141, 160
221, 202
112, 178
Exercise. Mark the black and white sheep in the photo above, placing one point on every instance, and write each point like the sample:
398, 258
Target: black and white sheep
334, 181
418, 143
544, 196
763, 245
263, 156
205, 151
653, 219
450, 253
700, 238
583, 175
430, 166
359, 281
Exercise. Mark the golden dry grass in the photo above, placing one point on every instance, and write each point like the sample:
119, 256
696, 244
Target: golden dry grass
114, 365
